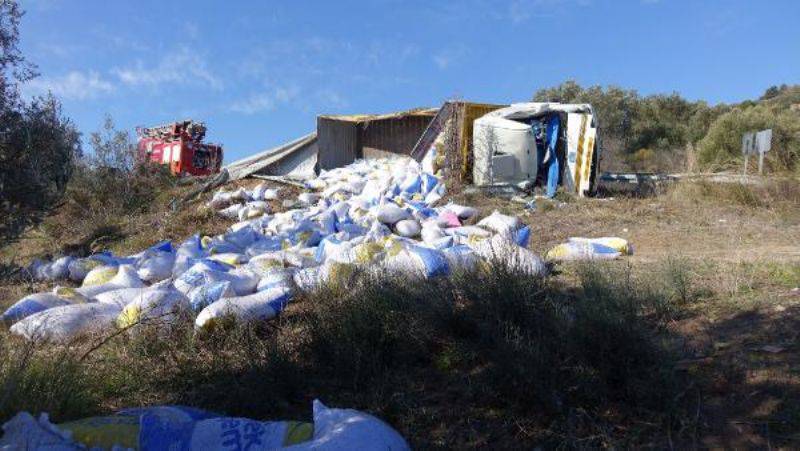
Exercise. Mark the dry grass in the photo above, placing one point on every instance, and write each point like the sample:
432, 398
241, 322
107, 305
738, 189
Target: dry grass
450, 363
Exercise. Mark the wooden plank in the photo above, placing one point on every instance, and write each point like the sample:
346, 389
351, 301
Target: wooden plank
432, 131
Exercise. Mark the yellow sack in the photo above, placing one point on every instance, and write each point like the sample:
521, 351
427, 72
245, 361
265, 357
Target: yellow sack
129, 316
229, 258
559, 252
392, 246
105, 432
70, 294
266, 264
298, 432
366, 252
100, 275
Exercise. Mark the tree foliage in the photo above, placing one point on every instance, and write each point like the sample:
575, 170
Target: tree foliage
112, 181
653, 132
38, 145
721, 148
639, 132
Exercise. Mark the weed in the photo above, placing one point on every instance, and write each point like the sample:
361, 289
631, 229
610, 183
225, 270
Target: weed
680, 280
491, 342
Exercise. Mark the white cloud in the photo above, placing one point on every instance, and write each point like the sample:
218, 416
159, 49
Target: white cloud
266, 100
328, 98
442, 61
191, 30
57, 50
180, 67
74, 85
449, 56
520, 11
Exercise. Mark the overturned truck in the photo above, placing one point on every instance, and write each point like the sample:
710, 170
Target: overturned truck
548, 144
523, 145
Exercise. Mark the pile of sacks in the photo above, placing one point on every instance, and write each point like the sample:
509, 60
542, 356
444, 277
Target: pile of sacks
174, 427
377, 214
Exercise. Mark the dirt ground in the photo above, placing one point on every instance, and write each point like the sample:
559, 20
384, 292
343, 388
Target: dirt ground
744, 340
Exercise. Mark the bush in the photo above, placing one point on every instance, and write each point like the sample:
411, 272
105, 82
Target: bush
628, 123
721, 148
107, 186
40, 380
37, 143
38, 147
492, 345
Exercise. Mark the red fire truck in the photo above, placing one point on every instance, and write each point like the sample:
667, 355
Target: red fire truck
180, 145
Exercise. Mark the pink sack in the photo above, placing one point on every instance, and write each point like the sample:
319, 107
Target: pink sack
449, 219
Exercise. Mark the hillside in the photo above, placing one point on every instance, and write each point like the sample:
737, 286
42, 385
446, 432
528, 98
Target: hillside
712, 277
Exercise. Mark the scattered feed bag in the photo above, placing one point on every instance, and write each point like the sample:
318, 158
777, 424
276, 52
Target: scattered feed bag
205, 295
51, 271
66, 323
100, 275
408, 228
243, 281
310, 279
620, 245
500, 250
581, 250
156, 266
418, 260
185, 428
124, 276
262, 305
463, 212
500, 223
431, 232
391, 214
79, 268
120, 297
371, 215
33, 303
156, 305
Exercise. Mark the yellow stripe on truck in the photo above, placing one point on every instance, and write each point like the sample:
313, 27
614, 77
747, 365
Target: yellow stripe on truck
579, 159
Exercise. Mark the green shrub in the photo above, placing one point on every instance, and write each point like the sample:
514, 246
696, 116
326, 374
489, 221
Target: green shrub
39, 380
721, 148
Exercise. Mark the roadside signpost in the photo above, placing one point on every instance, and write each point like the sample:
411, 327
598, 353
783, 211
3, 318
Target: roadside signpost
756, 143
748, 146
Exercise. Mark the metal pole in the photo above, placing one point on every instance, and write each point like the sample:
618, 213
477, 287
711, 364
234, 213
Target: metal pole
760, 162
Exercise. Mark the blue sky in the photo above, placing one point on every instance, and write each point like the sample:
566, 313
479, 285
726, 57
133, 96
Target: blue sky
259, 72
